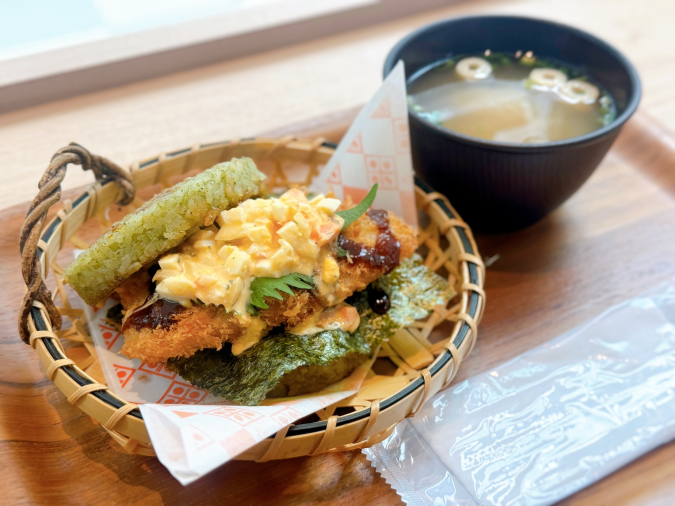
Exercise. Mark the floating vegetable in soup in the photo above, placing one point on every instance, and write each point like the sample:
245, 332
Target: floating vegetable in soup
519, 99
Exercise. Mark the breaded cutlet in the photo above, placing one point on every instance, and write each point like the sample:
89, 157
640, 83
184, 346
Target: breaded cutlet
199, 327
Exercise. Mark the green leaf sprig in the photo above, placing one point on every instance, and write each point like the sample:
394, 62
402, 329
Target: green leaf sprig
353, 214
270, 287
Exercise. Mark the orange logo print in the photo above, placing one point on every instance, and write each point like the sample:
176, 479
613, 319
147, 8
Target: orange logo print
383, 110
286, 416
184, 414
356, 145
242, 416
382, 170
109, 335
335, 177
123, 374
200, 438
157, 370
181, 393
401, 137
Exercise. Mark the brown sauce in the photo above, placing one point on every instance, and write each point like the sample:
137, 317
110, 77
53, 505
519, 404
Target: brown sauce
387, 250
160, 314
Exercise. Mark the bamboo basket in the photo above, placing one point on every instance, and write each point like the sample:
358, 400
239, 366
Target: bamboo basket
418, 367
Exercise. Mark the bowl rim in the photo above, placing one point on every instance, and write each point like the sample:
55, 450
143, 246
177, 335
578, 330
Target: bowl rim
589, 138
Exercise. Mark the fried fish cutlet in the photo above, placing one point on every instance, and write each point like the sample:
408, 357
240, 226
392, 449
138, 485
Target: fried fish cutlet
200, 327
189, 330
356, 275
164, 329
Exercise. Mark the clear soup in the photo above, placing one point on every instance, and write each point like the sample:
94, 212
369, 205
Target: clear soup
515, 99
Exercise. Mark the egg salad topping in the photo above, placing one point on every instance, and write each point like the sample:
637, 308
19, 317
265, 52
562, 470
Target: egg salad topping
259, 238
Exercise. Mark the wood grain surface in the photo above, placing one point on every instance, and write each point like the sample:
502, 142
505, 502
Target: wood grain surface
612, 240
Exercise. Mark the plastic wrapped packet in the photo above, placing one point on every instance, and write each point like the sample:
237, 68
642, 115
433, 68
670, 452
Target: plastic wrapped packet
549, 422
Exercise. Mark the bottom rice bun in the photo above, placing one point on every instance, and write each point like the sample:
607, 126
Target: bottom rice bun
279, 296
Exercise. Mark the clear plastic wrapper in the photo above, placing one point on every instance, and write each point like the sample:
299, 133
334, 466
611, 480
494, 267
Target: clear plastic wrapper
549, 422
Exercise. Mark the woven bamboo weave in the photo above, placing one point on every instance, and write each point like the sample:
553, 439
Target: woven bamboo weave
424, 363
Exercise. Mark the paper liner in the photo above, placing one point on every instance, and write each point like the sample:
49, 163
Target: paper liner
193, 440
376, 149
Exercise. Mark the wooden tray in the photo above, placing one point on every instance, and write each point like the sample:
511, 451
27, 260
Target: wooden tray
613, 239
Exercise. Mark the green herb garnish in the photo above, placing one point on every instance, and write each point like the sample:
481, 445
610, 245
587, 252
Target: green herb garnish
342, 252
353, 214
270, 287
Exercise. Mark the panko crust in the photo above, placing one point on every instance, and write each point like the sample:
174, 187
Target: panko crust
292, 310
196, 328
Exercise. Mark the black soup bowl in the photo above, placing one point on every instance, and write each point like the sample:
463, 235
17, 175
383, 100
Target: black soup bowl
497, 186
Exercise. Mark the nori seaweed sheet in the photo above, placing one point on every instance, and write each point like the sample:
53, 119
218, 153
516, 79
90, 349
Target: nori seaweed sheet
247, 377
291, 364
312, 378
413, 291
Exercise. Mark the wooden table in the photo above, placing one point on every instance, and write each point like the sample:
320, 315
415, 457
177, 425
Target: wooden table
613, 239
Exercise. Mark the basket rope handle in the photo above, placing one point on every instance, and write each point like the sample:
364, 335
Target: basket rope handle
50, 193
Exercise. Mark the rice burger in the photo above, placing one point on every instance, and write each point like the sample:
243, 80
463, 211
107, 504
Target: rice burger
250, 295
